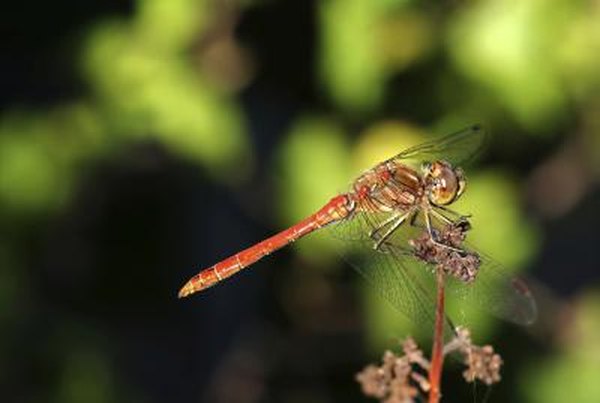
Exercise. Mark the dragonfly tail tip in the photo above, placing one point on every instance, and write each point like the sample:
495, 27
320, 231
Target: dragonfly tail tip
185, 291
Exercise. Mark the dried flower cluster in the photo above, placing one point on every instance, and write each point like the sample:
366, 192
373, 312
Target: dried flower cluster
482, 363
445, 251
403, 379
399, 379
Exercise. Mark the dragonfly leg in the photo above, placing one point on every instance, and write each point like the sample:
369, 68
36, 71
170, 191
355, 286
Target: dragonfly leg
460, 221
399, 220
442, 217
456, 215
413, 219
383, 224
430, 231
445, 219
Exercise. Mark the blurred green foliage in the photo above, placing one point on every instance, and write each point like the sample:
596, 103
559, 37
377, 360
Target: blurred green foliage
86, 377
572, 373
360, 48
40, 154
146, 86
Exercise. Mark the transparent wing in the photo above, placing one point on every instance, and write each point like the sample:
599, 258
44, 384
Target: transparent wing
494, 290
400, 279
459, 148
408, 284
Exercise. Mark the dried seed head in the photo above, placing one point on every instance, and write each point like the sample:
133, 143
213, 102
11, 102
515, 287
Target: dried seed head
483, 364
413, 354
445, 251
402, 392
372, 381
404, 379
396, 380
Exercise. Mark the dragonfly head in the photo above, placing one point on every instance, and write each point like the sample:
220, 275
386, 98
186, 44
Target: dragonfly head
445, 183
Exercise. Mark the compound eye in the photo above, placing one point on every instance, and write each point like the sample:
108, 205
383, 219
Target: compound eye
446, 184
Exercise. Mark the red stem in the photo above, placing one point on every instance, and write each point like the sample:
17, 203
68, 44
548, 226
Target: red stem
437, 354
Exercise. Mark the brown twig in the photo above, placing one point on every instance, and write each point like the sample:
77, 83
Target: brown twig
437, 353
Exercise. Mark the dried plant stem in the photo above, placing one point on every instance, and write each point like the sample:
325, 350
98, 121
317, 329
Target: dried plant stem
437, 354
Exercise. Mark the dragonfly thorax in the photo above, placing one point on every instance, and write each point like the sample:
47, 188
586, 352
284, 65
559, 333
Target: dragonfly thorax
389, 186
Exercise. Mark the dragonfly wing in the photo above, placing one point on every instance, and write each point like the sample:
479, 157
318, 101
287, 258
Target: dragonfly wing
459, 148
495, 289
403, 281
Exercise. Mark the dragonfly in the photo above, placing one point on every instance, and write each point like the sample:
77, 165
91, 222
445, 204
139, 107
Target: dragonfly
386, 209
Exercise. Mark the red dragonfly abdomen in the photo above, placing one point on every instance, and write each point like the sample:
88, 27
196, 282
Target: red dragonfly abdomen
336, 209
